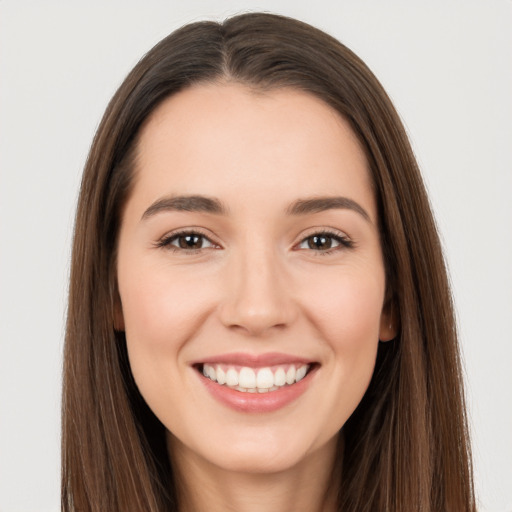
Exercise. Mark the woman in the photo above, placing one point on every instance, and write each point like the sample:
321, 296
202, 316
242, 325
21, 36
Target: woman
259, 313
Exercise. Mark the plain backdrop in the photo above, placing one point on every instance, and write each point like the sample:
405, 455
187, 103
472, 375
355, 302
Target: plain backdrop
446, 64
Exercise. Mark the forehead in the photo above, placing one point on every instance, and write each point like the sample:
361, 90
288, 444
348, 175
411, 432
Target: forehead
218, 139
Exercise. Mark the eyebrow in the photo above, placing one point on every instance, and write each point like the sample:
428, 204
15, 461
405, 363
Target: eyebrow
193, 203
198, 203
321, 204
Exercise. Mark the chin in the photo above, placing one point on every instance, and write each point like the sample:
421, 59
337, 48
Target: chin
260, 460
256, 451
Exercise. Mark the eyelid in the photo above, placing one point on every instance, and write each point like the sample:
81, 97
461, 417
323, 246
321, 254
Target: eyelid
166, 240
316, 230
344, 241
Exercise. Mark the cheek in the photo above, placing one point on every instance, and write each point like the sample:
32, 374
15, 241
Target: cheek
160, 306
349, 304
161, 313
347, 315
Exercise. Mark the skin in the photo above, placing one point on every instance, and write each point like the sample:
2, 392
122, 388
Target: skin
256, 286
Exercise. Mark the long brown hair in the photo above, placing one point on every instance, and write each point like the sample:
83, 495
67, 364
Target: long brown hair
406, 445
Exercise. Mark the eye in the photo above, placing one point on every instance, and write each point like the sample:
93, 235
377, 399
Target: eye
186, 241
325, 242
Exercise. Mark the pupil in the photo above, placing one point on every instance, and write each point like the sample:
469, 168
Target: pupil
320, 242
190, 242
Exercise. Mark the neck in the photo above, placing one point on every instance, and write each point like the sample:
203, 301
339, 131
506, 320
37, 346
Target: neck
309, 486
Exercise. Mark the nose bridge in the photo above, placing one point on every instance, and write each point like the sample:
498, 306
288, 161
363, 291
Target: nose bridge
257, 297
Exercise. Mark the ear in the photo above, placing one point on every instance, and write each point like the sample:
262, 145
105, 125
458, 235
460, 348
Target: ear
118, 314
388, 321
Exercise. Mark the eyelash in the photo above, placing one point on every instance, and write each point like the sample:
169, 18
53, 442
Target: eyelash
343, 241
166, 241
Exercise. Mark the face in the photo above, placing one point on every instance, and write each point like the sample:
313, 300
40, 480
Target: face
251, 276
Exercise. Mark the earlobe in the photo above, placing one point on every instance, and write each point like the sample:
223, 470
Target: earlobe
388, 322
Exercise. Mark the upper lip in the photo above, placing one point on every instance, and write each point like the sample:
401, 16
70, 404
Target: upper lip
254, 360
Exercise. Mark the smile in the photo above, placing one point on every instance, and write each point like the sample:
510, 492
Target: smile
255, 380
256, 384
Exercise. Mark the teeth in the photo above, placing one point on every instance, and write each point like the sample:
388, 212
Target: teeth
280, 377
247, 378
232, 377
259, 380
265, 378
212, 374
221, 375
301, 373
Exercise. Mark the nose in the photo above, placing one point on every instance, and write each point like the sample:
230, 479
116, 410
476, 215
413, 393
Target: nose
258, 295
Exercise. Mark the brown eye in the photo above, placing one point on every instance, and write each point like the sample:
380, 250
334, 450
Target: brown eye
186, 241
320, 242
325, 242
191, 241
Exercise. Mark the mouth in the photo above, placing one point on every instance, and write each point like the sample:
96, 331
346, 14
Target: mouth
256, 384
247, 379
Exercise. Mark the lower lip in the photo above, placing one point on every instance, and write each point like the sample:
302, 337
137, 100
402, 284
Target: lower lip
257, 402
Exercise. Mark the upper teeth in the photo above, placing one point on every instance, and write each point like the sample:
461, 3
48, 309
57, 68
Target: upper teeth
255, 380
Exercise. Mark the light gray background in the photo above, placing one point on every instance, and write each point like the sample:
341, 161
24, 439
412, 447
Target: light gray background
447, 66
